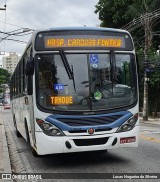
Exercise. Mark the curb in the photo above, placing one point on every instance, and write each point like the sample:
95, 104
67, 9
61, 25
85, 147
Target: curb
4, 156
150, 121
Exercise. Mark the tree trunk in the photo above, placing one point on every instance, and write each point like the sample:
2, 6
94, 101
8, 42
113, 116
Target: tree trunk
155, 104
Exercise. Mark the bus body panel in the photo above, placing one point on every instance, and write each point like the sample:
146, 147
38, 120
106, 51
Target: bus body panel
23, 112
57, 144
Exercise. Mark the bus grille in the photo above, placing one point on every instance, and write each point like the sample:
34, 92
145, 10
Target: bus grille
89, 142
85, 131
89, 121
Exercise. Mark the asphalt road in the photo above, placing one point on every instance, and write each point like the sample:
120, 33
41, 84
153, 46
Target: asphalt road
144, 159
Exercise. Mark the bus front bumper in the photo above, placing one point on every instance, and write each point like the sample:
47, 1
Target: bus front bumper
67, 144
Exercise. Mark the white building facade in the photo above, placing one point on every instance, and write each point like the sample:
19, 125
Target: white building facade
10, 62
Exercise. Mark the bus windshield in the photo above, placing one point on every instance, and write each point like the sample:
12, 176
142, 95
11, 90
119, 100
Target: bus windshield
85, 81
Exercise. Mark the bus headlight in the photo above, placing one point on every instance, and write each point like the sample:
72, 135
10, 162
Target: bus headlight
49, 128
129, 124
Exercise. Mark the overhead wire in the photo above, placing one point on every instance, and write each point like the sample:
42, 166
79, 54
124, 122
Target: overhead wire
136, 23
15, 34
16, 25
10, 24
5, 38
140, 22
19, 41
15, 30
137, 20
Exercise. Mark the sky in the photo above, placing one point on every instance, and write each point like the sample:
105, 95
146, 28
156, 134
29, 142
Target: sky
39, 14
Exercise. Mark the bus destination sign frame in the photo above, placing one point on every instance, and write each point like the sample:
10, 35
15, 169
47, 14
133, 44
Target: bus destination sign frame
82, 40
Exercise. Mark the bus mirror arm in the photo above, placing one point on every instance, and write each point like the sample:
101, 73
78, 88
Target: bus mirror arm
29, 68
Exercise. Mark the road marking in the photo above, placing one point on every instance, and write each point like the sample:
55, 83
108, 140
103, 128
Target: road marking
156, 132
147, 130
149, 138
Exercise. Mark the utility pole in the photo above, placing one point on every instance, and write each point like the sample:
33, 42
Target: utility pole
3, 8
146, 21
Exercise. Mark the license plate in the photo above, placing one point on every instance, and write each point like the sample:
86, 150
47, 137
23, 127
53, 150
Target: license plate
127, 140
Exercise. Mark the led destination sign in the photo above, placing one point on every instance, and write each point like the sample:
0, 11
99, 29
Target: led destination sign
70, 40
54, 42
61, 100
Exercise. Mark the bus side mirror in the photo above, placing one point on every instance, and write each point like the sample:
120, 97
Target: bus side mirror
29, 67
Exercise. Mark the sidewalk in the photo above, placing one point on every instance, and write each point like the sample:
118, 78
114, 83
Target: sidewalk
154, 121
5, 165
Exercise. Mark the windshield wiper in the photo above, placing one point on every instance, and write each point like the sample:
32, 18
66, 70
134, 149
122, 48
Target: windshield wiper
66, 64
67, 67
73, 78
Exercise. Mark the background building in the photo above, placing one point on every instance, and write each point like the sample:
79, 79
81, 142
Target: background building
10, 62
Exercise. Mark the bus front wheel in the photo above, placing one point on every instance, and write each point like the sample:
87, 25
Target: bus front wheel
28, 140
34, 152
17, 132
27, 133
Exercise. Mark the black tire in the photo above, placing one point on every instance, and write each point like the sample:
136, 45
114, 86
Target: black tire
14, 121
34, 152
27, 133
28, 140
17, 132
15, 125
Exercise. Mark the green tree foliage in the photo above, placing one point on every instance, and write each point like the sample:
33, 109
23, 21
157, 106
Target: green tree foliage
154, 88
113, 13
154, 83
138, 7
117, 13
4, 77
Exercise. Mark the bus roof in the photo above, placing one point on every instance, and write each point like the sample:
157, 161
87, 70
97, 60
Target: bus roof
82, 28
77, 29
88, 28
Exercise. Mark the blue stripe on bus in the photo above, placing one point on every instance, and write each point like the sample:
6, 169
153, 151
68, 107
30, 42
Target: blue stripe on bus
54, 120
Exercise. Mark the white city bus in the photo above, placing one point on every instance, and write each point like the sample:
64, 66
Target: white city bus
75, 89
